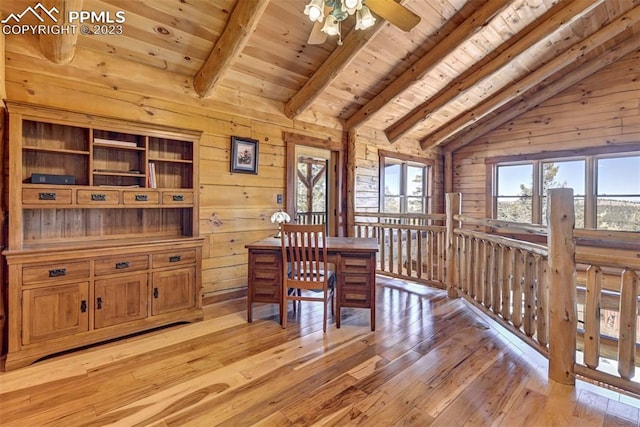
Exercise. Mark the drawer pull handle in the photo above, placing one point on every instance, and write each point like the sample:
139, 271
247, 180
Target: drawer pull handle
123, 264
99, 197
174, 258
83, 306
178, 198
155, 293
99, 303
142, 197
58, 272
46, 196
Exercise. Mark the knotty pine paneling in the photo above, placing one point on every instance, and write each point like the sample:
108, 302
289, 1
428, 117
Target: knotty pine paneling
601, 110
234, 208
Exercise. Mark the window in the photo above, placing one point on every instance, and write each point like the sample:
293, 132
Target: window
618, 193
515, 192
606, 189
404, 184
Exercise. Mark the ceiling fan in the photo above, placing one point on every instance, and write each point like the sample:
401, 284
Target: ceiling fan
328, 14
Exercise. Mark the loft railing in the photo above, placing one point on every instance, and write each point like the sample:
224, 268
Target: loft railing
411, 246
551, 294
607, 301
311, 217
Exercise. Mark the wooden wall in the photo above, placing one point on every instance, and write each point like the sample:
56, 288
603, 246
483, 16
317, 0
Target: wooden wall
603, 109
235, 209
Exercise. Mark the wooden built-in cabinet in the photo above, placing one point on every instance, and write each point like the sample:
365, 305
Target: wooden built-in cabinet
103, 236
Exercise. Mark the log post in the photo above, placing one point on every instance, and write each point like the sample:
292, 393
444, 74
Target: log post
452, 207
562, 286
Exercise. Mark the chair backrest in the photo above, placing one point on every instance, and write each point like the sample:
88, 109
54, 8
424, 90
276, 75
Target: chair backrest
305, 248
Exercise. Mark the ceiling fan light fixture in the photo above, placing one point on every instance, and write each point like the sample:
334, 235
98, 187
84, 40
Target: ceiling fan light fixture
364, 18
351, 6
331, 26
315, 10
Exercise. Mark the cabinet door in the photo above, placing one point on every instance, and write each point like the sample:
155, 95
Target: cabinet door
120, 299
173, 290
54, 312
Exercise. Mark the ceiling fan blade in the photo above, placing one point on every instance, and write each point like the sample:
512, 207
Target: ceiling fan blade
316, 36
395, 13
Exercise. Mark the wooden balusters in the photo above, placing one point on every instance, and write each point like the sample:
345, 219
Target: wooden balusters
592, 317
542, 302
628, 321
518, 272
529, 290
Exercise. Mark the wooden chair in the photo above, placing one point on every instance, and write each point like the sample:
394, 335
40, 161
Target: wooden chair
304, 249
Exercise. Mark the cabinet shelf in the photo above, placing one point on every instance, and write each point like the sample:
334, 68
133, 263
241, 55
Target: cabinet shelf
117, 147
119, 173
159, 159
56, 150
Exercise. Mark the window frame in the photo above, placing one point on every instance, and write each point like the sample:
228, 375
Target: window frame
589, 155
406, 160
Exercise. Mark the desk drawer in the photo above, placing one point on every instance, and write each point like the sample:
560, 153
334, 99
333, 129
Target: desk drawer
355, 289
60, 271
170, 259
122, 264
266, 259
356, 264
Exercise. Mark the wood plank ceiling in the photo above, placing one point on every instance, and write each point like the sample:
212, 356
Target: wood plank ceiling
466, 68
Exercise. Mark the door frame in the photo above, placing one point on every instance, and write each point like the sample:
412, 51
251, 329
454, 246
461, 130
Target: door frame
336, 209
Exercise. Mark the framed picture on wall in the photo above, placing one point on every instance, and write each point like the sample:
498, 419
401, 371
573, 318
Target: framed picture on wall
244, 155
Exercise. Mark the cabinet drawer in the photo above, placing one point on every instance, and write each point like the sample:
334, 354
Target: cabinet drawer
168, 259
177, 197
46, 196
140, 197
355, 264
122, 264
98, 197
66, 271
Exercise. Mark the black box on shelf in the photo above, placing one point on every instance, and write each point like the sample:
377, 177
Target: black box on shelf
46, 178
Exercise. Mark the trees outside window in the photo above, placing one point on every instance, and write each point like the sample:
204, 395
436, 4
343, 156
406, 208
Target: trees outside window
606, 189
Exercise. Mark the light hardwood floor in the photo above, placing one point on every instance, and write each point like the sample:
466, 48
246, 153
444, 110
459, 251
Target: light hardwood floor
431, 361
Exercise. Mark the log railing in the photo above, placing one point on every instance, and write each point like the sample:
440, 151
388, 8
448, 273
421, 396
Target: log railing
605, 357
504, 277
553, 294
411, 246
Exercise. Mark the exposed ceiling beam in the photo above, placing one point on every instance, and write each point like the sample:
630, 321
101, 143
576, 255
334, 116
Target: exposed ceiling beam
525, 103
567, 62
60, 48
559, 16
427, 62
242, 23
339, 59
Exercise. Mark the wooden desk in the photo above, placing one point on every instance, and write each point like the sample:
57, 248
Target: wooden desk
355, 261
